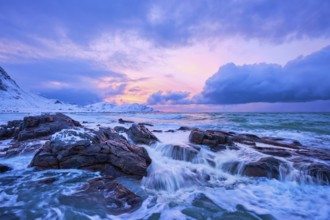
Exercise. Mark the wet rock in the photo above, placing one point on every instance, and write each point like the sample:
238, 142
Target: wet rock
4, 168
170, 131
196, 136
209, 138
277, 153
22, 147
183, 152
141, 135
104, 193
157, 131
219, 147
120, 129
319, 172
265, 167
122, 121
32, 127
38, 126
105, 151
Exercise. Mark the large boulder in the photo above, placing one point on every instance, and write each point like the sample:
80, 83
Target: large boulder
105, 151
32, 127
38, 126
31, 133
104, 193
141, 135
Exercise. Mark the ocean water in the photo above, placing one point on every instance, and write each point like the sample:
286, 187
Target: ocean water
177, 186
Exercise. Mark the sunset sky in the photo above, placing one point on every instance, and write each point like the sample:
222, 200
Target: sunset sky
251, 55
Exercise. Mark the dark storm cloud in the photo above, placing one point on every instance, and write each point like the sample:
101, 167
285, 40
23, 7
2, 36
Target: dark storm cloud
166, 23
168, 98
301, 80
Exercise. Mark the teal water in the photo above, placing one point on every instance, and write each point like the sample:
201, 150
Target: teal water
179, 189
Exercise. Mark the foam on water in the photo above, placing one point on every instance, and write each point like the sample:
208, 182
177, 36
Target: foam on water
184, 181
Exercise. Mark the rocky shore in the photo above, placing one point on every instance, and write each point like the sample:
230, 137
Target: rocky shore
59, 142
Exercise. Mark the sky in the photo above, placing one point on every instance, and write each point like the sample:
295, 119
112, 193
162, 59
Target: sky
221, 55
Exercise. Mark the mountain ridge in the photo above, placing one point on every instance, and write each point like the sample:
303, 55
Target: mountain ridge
14, 99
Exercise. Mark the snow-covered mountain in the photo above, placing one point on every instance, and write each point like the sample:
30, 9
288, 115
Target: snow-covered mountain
108, 107
15, 99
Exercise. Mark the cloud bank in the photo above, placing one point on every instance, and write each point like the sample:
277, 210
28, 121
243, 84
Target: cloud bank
301, 80
170, 97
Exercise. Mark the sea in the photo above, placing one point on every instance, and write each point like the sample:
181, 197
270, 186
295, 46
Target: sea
178, 188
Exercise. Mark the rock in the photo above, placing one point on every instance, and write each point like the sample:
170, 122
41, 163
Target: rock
157, 131
120, 129
196, 136
22, 147
47, 180
122, 121
145, 124
183, 152
29, 134
265, 167
170, 131
209, 138
105, 193
319, 172
185, 128
105, 151
4, 168
219, 147
36, 126
277, 153
141, 135
39, 126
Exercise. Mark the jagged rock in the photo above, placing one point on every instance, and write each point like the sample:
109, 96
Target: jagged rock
104, 193
36, 126
141, 135
122, 121
105, 151
30, 133
4, 168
